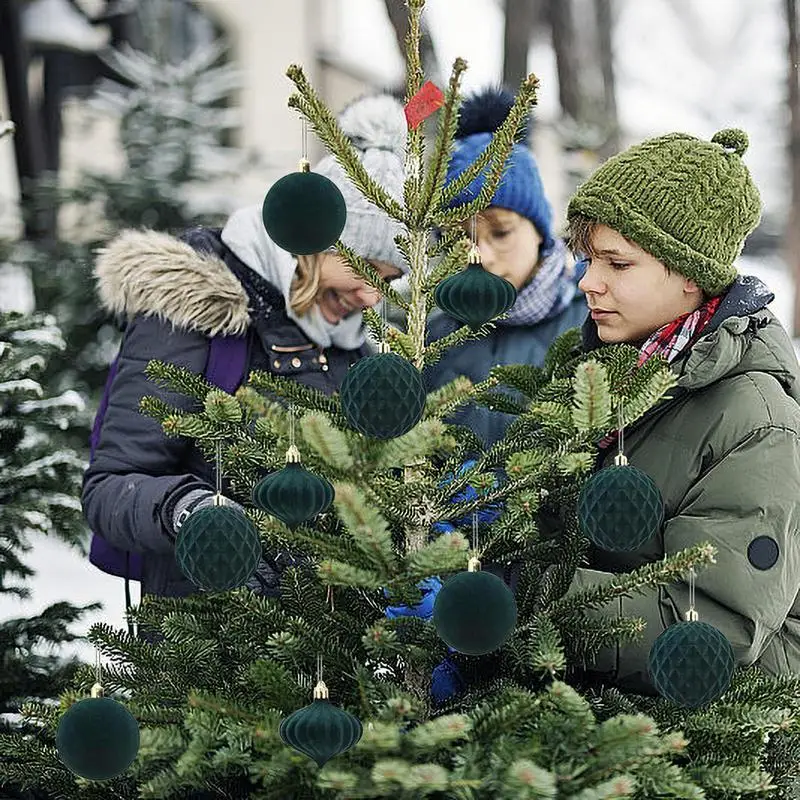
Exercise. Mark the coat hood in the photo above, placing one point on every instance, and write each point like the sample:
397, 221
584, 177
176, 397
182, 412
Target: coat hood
151, 273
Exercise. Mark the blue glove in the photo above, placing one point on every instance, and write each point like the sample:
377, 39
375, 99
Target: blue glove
486, 516
446, 681
424, 610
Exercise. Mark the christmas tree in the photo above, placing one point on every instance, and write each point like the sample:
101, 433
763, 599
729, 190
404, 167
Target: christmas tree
421, 697
37, 498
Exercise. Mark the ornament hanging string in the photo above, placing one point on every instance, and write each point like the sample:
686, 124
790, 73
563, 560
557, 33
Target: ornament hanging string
475, 531
691, 614
292, 411
98, 667
218, 465
620, 428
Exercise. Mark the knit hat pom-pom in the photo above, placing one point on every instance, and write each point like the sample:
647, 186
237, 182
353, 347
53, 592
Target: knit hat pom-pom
375, 122
485, 111
732, 139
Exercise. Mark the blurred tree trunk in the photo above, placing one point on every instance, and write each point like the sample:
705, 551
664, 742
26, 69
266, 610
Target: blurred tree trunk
398, 16
517, 32
559, 13
792, 238
605, 51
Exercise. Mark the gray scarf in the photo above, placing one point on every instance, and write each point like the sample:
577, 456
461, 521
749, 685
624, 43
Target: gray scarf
244, 234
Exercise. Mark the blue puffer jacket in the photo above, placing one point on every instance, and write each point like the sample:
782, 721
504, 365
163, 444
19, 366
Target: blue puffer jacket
507, 344
173, 296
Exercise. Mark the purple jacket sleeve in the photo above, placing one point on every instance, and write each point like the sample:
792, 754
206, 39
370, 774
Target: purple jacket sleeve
139, 473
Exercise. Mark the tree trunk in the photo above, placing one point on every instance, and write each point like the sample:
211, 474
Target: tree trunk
792, 238
517, 32
398, 16
605, 49
563, 32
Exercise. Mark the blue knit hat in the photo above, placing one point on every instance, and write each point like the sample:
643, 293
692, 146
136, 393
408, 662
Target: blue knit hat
520, 188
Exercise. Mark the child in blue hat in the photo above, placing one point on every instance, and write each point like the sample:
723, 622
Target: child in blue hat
516, 241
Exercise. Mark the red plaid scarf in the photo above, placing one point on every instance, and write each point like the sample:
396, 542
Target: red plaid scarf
673, 339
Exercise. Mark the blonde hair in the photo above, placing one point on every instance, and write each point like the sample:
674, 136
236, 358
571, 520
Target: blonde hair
305, 284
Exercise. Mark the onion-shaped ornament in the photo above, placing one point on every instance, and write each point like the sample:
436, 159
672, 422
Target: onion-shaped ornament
475, 296
98, 738
475, 612
383, 396
321, 730
620, 507
304, 212
691, 663
293, 494
218, 548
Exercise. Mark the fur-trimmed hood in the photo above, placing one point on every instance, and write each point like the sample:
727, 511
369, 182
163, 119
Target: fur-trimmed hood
154, 274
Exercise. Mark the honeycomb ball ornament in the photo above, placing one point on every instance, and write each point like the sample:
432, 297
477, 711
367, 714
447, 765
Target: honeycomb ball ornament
383, 396
620, 508
218, 548
293, 494
321, 730
475, 296
691, 663
97, 738
475, 612
303, 212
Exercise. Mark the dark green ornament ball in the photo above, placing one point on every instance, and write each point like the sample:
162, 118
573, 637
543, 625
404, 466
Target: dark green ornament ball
383, 396
475, 613
293, 494
691, 663
620, 508
218, 548
321, 731
304, 213
98, 738
475, 296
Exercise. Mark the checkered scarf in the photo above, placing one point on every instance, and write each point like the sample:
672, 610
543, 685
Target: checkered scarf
671, 340
548, 294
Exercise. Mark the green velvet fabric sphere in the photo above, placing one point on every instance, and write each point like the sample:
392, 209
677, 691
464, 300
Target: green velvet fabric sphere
475, 613
293, 494
383, 396
98, 738
321, 731
475, 296
218, 548
304, 213
691, 663
620, 508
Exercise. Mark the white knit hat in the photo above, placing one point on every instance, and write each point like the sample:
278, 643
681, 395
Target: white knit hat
376, 125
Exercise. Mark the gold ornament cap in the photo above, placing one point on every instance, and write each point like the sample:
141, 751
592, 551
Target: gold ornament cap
304, 165
292, 455
474, 565
620, 460
98, 691
321, 691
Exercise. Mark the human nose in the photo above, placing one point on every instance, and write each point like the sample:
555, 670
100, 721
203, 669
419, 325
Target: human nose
367, 296
591, 282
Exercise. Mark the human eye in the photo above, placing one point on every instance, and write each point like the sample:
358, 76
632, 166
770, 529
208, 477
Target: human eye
619, 265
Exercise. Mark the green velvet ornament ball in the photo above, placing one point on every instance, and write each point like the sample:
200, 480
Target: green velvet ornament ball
321, 730
97, 738
475, 612
620, 508
218, 548
304, 213
293, 494
475, 296
383, 396
691, 663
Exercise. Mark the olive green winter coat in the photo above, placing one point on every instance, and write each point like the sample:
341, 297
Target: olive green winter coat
725, 453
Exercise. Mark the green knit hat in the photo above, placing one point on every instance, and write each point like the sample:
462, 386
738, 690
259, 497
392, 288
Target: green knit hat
688, 202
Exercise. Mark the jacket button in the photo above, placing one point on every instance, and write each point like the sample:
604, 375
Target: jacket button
324, 367
296, 362
276, 363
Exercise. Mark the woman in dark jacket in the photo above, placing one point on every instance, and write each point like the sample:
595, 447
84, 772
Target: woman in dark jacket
301, 317
516, 241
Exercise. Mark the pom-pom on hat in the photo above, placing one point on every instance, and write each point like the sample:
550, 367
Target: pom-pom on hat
688, 202
520, 188
376, 125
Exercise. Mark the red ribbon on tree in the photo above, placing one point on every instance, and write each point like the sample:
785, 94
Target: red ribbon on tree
423, 104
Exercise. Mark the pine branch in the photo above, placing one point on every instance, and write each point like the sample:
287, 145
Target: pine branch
591, 409
437, 169
367, 526
327, 128
435, 350
365, 270
298, 394
327, 441
455, 257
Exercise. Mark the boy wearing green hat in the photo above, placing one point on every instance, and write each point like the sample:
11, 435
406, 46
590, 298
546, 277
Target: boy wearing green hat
660, 226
